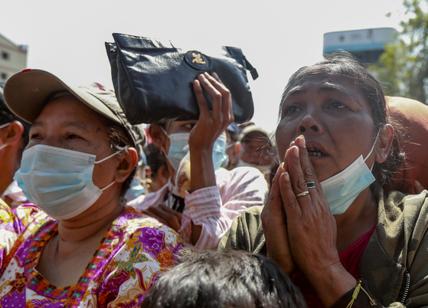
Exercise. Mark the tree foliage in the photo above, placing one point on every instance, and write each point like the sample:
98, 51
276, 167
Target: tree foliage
403, 67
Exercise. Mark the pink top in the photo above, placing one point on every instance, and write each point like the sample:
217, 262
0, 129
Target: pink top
215, 207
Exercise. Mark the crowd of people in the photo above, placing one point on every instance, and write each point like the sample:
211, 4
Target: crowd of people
328, 211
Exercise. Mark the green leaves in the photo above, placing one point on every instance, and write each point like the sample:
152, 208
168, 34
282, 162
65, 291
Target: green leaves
403, 67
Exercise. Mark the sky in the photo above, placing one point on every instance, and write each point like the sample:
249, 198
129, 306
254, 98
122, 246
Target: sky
278, 37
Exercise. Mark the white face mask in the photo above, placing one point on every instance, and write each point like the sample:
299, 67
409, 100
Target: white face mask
59, 181
343, 188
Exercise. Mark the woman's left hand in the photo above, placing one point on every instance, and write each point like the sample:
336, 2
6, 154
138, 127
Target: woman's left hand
312, 227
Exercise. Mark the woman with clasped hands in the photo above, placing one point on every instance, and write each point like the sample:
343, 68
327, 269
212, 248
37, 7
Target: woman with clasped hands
344, 240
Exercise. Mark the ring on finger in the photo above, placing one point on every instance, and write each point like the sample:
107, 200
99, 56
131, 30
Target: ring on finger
311, 184
302, 194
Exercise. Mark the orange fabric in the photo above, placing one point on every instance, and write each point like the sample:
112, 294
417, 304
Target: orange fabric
412, 116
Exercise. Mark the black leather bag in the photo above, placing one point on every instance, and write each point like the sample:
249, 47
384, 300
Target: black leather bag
153, 81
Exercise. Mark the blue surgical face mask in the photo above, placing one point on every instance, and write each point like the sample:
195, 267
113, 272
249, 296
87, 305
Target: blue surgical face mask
179, 148
219, 151
135, 190
343, 188
59, 181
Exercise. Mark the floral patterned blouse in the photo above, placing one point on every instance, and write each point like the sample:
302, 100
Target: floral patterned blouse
129, 259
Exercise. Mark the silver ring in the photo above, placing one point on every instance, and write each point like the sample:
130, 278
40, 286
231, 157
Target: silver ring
302, 194
311, 184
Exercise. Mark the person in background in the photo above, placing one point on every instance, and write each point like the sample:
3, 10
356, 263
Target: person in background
202, 198
13, 139
78, 245
138, 185
412, 118
257, 150
219, 280
331, 222
233, 146
159, 171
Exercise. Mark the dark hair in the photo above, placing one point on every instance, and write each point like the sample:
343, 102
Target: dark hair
224, 279
255, 135
155, 158
343, 65
119, 138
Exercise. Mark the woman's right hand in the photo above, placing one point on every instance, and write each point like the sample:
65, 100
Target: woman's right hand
211, 123
275, 226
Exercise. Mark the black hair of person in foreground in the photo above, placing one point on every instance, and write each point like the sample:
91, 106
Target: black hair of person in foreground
224, 279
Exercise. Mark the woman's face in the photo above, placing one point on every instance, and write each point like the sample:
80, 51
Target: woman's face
69, 124
334, 118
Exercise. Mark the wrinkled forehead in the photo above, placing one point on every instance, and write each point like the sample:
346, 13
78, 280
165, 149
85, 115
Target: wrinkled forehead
347, 87
322, 83
66, 109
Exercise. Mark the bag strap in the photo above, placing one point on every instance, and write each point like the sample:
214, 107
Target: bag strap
238, 55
